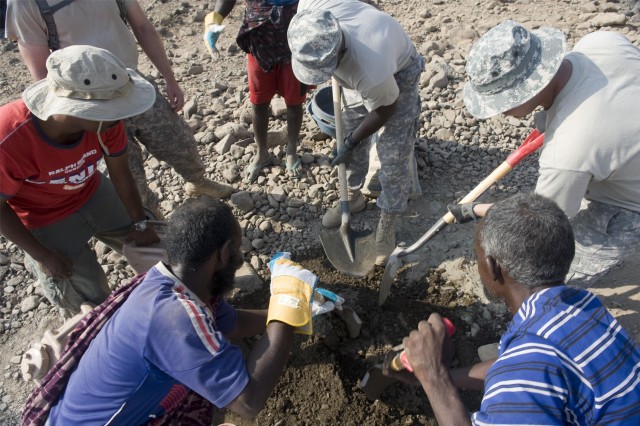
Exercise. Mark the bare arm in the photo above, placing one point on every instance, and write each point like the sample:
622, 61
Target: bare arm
35, 57
54, 264
265, 364
153, 47
124, 184
424, 348
471, 377
249, 323
374, 121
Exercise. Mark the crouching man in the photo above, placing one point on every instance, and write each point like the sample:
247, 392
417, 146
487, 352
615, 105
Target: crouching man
167, 348
52, 197
563, 360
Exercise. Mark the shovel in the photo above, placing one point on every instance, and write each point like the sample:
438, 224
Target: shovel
349, 251
532, 143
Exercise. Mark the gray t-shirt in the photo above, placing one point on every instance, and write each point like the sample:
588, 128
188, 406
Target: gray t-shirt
377, 48
91, 22
592, 141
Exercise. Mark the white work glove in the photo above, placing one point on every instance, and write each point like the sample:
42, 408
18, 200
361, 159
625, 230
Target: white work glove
212, 29
292, 289
325, 301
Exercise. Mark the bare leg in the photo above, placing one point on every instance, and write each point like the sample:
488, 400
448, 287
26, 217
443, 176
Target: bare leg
294, 124
260, 127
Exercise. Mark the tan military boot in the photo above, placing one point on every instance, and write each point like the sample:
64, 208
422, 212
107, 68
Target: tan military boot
333, 216
208, 187
385, 237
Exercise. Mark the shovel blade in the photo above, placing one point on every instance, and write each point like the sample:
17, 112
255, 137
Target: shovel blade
393, 264
354, 255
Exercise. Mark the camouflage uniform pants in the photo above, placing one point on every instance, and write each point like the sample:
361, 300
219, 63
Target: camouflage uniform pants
605, 235
167, 137
395, 142
104, 217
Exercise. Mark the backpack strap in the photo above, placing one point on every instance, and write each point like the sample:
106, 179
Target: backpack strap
47, 14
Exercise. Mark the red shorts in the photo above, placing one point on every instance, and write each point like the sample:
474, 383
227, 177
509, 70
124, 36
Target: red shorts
281, 80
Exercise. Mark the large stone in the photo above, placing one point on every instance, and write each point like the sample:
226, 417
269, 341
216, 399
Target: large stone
190, 107
231, 174
439, 80
235, 129
29, 303
247, 279
225, 143
242, 201
276, 138
278, 194
278, 106
608, 20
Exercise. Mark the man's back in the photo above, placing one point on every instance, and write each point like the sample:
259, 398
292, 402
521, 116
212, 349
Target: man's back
592, 134
95, 23
563, 360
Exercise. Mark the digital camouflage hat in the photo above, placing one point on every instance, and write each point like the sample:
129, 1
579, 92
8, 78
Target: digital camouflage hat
314, 38
509, 65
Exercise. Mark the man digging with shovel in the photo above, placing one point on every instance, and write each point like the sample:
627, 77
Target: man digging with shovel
368, 52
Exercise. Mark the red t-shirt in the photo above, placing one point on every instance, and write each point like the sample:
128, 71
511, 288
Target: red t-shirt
45, 181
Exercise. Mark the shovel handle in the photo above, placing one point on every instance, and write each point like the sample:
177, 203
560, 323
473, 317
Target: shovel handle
337, 113
401, 362
530, 144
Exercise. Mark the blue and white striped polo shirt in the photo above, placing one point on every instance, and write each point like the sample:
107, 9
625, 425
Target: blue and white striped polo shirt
563, 360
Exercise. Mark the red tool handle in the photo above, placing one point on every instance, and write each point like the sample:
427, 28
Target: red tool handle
530, 144
401, 358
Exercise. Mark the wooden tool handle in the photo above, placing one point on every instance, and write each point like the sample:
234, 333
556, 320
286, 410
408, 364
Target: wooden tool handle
401, 362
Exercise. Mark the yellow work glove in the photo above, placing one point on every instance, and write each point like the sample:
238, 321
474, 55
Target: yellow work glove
212, 29
292, 289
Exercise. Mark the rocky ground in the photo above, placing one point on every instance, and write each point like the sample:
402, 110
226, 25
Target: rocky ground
320, 384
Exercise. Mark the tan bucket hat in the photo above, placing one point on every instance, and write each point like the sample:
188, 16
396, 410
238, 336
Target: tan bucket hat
89, 83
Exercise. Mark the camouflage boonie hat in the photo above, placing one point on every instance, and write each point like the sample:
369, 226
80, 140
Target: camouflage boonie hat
509, 65
314, 39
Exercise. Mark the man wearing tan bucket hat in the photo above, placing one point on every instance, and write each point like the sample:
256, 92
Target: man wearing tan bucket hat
116, 25
591, 155
52, 197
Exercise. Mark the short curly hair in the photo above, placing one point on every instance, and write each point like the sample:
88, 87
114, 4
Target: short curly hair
531, 237
198, 228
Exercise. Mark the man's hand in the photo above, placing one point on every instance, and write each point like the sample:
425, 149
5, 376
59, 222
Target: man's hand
212, 29
402, 375
174, 95
345, 152
144, 238
291, 290
463, 212
429, 348
56, 265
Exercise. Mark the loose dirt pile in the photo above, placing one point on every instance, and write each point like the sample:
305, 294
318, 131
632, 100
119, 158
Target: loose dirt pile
320, 384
